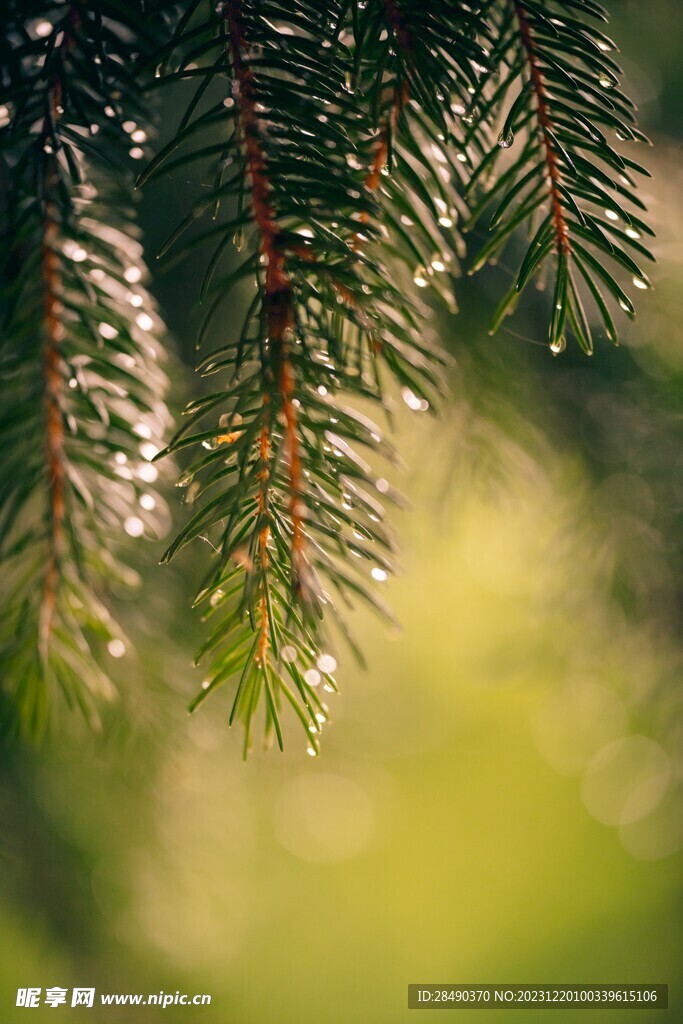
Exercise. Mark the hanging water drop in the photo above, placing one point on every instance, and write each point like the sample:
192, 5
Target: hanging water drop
116, 648
505, 139
238, 239
558, 345
326, 663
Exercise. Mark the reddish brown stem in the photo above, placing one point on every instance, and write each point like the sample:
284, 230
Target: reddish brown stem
401, 94
381, 149
562, 244
279, 296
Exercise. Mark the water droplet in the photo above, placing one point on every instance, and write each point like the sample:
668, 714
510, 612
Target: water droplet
148, 473
192, 492
288, 654
640, 283
413, 401
134, 526
148, 450
216, 597
238, 239
312, 677
558, 345
107, 331
326, 663
144, 321
420, 279
632, 233
379, 574
611, 215
506, 140
116, 648
77, 253
311, 751
605, 82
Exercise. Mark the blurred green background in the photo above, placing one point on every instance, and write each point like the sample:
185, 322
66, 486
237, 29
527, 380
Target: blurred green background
499, 797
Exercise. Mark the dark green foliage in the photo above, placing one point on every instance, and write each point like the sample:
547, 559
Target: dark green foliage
343, 149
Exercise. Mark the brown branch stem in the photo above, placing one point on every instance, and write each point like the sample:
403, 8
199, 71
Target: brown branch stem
561, 231
279, 297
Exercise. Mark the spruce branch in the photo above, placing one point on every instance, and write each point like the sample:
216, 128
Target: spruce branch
569, 111
296, 516
82, 394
